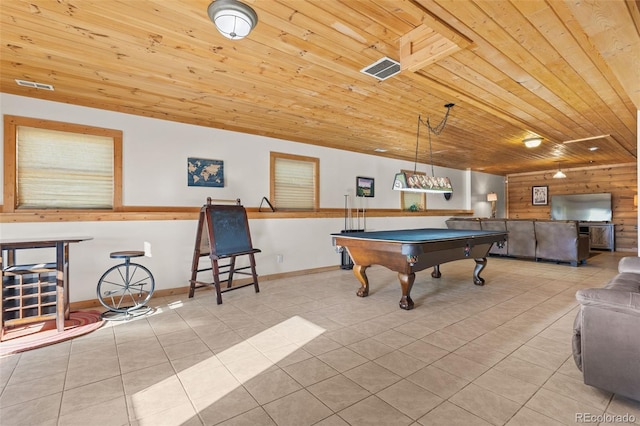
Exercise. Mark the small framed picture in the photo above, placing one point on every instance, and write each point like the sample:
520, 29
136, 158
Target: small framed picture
540, 195
365, 187
204, 172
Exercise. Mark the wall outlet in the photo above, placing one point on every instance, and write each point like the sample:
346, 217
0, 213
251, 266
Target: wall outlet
147, 249
279, 258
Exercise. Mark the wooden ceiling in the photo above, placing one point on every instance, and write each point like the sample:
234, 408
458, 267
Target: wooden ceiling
563, 70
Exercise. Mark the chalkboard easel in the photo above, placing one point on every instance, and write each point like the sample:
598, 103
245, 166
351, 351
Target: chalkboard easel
223, 233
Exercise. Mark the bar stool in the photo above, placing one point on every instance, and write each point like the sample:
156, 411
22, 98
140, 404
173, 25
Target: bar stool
124, 289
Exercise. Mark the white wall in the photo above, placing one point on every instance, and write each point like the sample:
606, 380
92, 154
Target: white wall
154, 174
155, 156
482, 184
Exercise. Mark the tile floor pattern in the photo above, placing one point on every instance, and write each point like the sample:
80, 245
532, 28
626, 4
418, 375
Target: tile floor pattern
307, 351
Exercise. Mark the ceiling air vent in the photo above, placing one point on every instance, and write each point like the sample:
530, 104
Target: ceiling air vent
34, 85
382, 69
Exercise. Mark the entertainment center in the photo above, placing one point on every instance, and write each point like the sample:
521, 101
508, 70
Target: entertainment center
594, 213
601, 234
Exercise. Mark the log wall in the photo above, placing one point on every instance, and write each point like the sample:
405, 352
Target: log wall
620, 180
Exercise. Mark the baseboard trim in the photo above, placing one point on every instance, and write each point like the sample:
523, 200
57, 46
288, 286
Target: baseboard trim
95, 303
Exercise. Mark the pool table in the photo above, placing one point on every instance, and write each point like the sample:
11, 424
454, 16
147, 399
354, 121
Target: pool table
408, 251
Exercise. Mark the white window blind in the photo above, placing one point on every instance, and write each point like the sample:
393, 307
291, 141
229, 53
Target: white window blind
294, 184
57, 169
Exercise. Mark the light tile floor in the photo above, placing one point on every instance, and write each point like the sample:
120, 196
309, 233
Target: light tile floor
307, 351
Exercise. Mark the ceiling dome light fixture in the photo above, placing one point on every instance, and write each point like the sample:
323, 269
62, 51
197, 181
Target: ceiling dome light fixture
532, 142
233, 19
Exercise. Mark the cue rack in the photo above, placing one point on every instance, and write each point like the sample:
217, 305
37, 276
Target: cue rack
345, 261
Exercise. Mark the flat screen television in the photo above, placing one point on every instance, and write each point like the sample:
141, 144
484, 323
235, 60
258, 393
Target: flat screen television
582, 207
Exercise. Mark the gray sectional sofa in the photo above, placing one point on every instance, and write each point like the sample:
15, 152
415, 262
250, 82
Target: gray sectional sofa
606, 337
555, 240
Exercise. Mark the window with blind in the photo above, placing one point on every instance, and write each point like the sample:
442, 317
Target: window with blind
294, 182
63, 166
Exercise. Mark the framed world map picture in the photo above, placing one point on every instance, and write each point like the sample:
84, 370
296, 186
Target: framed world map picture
204, 172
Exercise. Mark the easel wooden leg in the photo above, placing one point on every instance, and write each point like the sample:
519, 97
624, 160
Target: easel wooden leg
253, 272
192, 285
196, 256
216, 280
232, 268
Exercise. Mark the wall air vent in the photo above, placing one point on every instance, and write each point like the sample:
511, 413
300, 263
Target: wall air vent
382, 69
34, 85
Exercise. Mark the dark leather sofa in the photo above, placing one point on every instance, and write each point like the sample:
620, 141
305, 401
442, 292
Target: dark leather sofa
555, 240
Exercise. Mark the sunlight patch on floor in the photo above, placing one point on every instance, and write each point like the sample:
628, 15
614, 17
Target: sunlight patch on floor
212, 379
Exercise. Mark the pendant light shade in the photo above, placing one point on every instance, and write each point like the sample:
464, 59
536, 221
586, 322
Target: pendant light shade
422, 183
233, 19
559, 175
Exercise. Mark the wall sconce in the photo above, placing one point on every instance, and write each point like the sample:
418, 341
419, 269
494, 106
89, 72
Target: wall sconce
492, 197
635, 200
233, 19
532, 142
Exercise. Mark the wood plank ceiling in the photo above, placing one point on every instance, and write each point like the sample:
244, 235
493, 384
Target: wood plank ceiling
563, 70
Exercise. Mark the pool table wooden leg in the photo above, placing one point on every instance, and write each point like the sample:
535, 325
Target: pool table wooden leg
436, 271
359, 272
481, 263
406, 282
